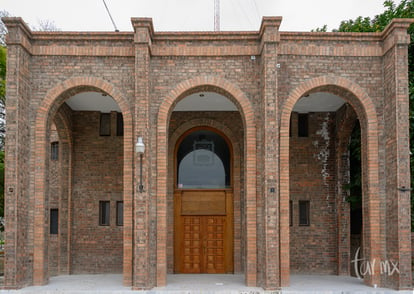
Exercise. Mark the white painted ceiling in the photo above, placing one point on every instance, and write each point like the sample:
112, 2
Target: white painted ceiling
92, 101
203, 101
318, 102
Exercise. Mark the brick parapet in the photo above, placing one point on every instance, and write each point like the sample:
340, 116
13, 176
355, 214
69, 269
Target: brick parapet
224, 43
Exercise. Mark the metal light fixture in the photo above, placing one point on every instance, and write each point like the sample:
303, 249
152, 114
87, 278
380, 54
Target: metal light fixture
140, 149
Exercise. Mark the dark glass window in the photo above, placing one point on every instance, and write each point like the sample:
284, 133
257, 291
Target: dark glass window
303, 124
54, 151
54, 221
119, 213
104, 207
203, 161
304, 213
105, 124
119, 124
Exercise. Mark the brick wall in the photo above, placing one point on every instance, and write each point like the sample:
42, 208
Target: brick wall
97, 175
54, 203
313, 248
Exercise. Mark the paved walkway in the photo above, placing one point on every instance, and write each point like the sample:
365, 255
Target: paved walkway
203, 284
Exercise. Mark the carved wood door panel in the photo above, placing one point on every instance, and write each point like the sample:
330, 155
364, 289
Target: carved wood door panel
203, 242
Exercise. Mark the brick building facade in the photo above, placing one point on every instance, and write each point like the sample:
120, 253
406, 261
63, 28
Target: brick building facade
270, 113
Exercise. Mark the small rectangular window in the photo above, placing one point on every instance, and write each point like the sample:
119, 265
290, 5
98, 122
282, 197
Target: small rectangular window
105, 124
290, 213
104, 207
303, 124
119, 124
119, 213
54, 221
304, 213
54, 151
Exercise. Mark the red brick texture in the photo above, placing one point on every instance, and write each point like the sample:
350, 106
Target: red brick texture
263, 74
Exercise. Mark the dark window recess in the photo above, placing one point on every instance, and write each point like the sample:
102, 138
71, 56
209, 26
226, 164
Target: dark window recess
303, 124
290, 125
203, 161
119, 213
304, 213
119, 124
54, 221
105, 125
290, 213
54, 151
104, 213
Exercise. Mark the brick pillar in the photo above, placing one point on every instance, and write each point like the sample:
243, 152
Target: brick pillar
63, 121
268, 210
346, 119
18, 197
397, 158
142, 267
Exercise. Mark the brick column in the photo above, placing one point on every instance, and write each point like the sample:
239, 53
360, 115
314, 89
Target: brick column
268, 210
18, 197
397, 158
142, 267
346, 120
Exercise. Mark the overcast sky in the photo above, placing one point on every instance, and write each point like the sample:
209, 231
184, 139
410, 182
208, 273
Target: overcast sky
191, 15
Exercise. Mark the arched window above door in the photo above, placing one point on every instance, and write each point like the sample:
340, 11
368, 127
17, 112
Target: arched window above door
203, 161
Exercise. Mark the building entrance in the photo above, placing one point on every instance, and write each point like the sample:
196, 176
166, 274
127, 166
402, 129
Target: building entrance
203, 204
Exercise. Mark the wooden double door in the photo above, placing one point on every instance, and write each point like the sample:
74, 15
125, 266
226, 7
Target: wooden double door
203, 231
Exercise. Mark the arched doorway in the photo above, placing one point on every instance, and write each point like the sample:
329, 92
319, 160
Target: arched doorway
74, 124
361, 103
168, 127
203, 203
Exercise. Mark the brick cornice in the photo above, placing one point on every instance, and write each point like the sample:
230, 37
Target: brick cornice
19, 33
396, 33
83, 36
397, 24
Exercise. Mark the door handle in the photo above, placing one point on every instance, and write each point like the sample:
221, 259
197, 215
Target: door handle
204, 247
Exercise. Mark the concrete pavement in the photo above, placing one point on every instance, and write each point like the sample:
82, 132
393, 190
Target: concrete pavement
203, 284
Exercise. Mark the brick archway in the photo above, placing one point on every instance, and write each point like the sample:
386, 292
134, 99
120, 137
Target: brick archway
234, 93
48, 108
366, 112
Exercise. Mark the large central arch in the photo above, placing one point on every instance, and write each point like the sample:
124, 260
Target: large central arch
244, 106
366, 112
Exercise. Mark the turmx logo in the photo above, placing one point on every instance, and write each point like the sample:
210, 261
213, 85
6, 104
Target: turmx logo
365, 267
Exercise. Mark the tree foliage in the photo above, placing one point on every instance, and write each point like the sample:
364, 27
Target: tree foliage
3, 30
354, 187
46, 25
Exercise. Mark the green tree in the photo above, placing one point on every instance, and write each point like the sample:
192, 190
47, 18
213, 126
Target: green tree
377, 24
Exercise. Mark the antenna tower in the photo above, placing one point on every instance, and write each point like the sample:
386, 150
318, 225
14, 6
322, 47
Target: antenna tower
216, 15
